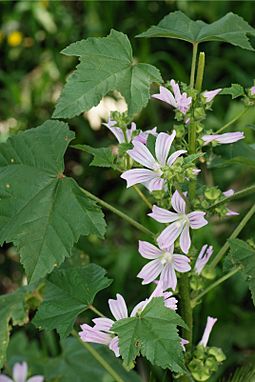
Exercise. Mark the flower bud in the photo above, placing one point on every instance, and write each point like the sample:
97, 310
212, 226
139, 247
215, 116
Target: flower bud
199, 113
211, 364
217, 353
209, 273
198, 370
212, 193
196, 283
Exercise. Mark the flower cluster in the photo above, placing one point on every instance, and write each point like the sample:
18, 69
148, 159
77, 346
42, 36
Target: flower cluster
170, 254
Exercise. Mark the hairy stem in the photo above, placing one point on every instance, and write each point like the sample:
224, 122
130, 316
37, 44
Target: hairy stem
186, 310
237, 195
142, 196
233, 120
193, 65
99, 359
234, 235
196, 300
121, 214
200, 71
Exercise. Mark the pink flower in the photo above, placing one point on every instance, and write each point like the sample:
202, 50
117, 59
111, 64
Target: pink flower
143, 135
203, 257
19, 374
178, 100
180, 221
252, 90
209, 95
101, 332
209, 325
164, 263
229, 193
151, 177
129, 133
223, 138
183, 343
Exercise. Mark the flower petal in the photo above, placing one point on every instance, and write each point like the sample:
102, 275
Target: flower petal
209, 325
20, 372
178, 203
148, 250
155, 184
181, 263
114, 346
197, 220
118, 307
103, 323
203, 257
163, 145
162, 215
4, 378
170, 234
185, 241
141, 154
150, 271
139, 307
174, 156
166, 96
129, 132
168, 277
229, 193
138, 175
210, 94
89, 334
176, 90
36, 378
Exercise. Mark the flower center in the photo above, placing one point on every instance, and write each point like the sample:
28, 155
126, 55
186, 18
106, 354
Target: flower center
157, 169
167, 257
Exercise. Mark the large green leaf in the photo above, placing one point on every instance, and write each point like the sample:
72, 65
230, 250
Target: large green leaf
41, 211
106, 64
241, 254
154, 335
13, 311
78, 365
237, 153
68, 293
231, 28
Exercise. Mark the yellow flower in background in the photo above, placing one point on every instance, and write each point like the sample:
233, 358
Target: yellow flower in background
15, 38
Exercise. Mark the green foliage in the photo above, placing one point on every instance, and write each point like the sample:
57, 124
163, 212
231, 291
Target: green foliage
68, 293
43, 212
245, 373
102, 157
152, 334
106, 64
235, 90
13, 311
241, 254
231, 29
77, 364
237, 153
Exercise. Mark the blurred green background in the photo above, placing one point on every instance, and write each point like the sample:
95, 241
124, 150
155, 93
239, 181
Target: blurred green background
32, 73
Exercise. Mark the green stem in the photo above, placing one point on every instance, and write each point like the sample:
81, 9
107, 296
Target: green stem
196, 300
237, 195
193, 65
99, 359
233, 120
200, 71
234, 235
95, 310
142, 196
121, 214
185, 305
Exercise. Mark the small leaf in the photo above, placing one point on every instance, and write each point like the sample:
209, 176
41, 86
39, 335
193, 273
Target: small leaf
242, 254
13, 311
235, 91
154, 335
41, 211
231, 28
68, 293
106, 64
103, 156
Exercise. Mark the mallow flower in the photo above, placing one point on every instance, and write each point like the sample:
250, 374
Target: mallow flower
203, 258
164, 263
19, 374
178, 100
209, 325
223, 138
210, 94
129, 133
181, 222
152, 176
101, 332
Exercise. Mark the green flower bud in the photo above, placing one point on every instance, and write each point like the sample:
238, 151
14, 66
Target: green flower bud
199, 113
196, 283
208, 273
200, 352
212, 193
217, 353
180, 130
211, 364
198, 370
